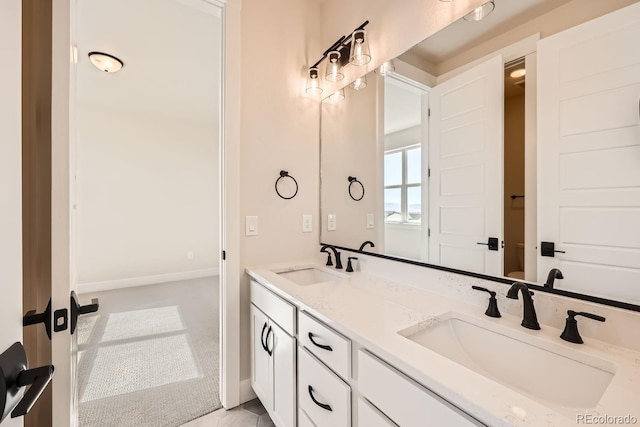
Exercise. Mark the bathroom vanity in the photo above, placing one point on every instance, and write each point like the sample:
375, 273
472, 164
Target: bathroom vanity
358, 349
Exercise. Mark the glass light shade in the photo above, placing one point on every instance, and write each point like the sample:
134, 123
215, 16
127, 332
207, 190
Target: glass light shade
105, 62
359, 83
480, 12
337, 96
313, 82
334, 68
360, 54
386, 68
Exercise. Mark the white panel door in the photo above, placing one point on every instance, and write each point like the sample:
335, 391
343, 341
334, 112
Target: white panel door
10, 179
466, 161
589, 155
261, 371
283, 348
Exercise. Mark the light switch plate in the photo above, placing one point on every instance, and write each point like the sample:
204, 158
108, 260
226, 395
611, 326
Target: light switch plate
251, 226
370, 220
307, 223
331, 222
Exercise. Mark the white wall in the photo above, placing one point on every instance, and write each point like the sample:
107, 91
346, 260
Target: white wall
279, 130
10, 179
147, 195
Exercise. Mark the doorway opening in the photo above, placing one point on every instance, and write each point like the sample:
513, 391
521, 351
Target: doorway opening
514, 168
146, 210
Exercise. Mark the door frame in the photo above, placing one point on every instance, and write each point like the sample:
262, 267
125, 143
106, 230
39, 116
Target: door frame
61, 244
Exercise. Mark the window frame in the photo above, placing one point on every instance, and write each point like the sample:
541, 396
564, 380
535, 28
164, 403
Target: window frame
404, 186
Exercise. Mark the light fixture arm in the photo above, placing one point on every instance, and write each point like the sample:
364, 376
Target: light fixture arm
341, 43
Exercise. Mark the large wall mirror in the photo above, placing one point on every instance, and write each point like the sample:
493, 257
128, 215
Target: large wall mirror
505, 147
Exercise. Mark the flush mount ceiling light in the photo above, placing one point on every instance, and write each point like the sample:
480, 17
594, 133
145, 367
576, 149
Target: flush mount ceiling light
480, 12
360, 54
520, 72
105, 62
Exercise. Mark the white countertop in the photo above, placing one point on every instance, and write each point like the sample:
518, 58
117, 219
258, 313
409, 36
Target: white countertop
371, 310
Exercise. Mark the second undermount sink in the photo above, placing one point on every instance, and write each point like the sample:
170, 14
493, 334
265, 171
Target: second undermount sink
309, 275
545, 371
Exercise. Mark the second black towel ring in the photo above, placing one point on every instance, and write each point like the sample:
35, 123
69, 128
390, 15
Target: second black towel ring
285, 174
354, 180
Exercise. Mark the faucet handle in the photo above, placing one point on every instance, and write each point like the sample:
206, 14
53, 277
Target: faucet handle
329, 262
349, 266
570, 332
492, 310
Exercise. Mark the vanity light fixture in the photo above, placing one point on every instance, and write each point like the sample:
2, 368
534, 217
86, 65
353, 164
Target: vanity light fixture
347, 49
359, 83
334, 67
480, 12
360, 54
386, 68
337, 96
105, 62
520, 72
313, 82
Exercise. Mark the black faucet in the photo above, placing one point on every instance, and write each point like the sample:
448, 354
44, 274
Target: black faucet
367, 242
530, 320
554, 274
329, 262
570, 332
336, 254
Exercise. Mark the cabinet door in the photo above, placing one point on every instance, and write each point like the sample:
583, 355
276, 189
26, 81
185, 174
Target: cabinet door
283, 350
261, 371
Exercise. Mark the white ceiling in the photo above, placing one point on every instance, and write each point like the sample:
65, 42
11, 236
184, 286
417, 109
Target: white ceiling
170, 50
463, 35
402, 106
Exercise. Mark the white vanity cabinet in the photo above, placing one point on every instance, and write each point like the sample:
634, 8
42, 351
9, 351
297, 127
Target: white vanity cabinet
404, 401
273, 355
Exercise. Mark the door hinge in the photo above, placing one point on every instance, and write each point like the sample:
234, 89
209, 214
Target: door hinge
428, 112
428, 172
428, 232
224, 255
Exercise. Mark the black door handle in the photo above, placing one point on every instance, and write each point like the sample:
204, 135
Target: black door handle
549, 249
14, 375
264, 346
492, 243
324, 347
77, 309
33, 318
322, 405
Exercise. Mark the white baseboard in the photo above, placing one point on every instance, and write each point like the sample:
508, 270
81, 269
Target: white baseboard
246, 392
130, 282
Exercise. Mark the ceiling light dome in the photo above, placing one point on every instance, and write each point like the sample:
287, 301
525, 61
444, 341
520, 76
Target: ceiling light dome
105, 62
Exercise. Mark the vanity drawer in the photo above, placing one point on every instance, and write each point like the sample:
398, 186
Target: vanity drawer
280, 311
323, 396
330, 347
368, 416
404, 401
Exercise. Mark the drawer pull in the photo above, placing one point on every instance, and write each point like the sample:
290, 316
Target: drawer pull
322, 405
266, 342
324, 347
264, 346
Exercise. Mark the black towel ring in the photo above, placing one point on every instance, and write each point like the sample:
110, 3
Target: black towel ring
352, 180
284, 174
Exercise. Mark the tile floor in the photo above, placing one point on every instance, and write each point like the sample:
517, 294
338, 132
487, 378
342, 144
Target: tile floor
250, 414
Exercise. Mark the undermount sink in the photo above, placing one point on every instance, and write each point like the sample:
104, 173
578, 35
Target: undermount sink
545, 371
309, 275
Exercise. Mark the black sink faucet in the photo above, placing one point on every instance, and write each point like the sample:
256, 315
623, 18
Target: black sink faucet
554, 274
530, 320
336, 254
367, 242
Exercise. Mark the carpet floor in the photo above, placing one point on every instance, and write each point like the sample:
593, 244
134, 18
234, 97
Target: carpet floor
150, 356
